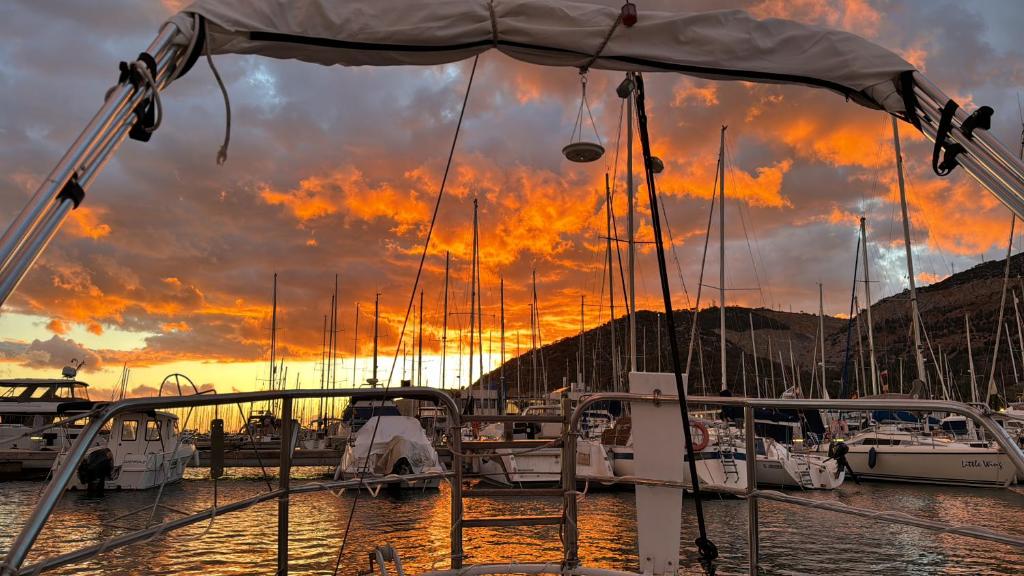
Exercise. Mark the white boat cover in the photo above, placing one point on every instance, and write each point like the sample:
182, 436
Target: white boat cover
396, 437
726, 45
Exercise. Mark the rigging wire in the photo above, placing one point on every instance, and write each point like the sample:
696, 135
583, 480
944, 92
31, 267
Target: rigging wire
412, 298
708, 550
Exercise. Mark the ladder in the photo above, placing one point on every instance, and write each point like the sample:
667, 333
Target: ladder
727, 453
804, 468
565, 515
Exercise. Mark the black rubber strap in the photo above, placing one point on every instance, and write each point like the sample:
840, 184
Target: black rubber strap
72, 190
909, 98
945, 123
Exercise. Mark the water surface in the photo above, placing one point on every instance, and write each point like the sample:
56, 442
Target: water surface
794, 540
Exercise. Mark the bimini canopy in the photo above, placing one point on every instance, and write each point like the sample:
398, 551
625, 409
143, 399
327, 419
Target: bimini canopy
720, 45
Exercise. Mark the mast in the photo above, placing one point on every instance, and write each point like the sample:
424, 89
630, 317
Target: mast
376, 335
581, 359
1020, 332
419, 370
1002, 307
472, 296
444, 320
721, 251
915, 318
630, 193
533, 332
792, 368
821, 337
323, 375
273, 337
355, 346
753, 346
611, 281
501, 366
867, 304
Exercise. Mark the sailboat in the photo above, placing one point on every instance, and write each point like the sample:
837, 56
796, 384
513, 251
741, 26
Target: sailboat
382, 442
905, 450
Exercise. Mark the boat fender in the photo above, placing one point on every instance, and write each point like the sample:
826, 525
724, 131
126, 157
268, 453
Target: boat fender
96, 468
872, 458
704, 436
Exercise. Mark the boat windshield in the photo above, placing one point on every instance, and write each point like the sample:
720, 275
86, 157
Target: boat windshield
29, 391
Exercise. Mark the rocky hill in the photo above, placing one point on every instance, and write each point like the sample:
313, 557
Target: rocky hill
943, 305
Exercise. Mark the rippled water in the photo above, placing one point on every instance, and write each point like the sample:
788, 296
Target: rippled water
794, 540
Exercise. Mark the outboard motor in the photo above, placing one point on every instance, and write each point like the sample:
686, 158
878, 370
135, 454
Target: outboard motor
837, 451
96, 468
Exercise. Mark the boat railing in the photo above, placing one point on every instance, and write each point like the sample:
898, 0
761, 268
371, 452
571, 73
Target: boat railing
45, 506
981, 415
570, 418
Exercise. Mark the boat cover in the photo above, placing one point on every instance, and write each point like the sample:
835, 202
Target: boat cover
724, 44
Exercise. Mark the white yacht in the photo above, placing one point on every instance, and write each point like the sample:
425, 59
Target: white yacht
391, 445
144, 450
517, 466
27, 407
898, 453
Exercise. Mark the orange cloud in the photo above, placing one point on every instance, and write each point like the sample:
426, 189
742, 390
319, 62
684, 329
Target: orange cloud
85, 222
57, 326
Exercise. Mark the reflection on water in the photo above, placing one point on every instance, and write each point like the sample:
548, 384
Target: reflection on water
794, 540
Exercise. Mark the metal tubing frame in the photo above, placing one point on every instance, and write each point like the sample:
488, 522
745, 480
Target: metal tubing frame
983, 418
284, 485
31, 231
569, 530
61, 478
753, 537
986, 159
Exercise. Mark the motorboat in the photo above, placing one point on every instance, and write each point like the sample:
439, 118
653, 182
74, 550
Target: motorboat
29, 408
144, 450
899, 453
391, 445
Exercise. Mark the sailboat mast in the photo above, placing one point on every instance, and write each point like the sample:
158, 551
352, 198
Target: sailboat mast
821, 337
580, 358
472, 297
444, 319
355, 346
914, 316
376, 335
630, 193
273, 337
753, 346
419, 363
501, 365
1002, 307
867, 305
611, 281
970, 359
721, 252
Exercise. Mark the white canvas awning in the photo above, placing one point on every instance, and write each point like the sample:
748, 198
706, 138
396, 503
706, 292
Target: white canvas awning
726, 45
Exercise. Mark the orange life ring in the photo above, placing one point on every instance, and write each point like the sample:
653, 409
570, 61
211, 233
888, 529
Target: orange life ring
704, 436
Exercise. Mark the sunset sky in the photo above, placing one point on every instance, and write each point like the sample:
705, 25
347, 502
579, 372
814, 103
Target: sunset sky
168, 265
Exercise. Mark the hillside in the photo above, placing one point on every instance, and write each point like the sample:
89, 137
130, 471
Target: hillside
942, 306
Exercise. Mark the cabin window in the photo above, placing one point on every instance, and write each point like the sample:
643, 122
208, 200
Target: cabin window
880, 442
129, 430
152, 431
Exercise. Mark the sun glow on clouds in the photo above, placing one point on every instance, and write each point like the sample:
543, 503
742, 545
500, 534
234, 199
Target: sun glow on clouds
337, 170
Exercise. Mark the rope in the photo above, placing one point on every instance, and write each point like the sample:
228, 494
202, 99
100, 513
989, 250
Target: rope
222, 154
412, 298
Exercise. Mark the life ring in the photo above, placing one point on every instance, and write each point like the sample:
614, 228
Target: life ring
704, 436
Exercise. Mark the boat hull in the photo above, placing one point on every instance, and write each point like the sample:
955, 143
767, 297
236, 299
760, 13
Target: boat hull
926, 465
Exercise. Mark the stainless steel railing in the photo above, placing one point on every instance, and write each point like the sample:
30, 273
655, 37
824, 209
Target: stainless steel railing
980, 416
